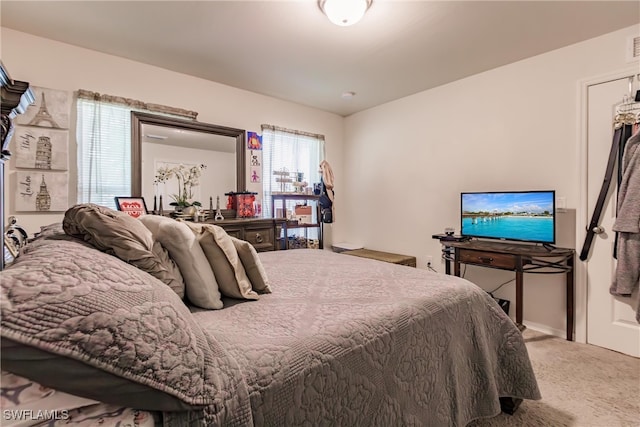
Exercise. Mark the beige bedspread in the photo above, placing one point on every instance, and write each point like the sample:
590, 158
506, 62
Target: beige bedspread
341, 341
348, 341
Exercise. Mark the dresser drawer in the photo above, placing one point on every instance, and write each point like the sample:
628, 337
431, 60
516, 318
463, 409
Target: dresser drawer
487, 259
234, 232
261, 238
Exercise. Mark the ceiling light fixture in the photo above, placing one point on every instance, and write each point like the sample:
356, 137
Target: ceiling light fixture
344, 12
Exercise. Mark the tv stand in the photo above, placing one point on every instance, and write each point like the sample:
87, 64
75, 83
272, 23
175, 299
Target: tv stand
548, 246
519, 258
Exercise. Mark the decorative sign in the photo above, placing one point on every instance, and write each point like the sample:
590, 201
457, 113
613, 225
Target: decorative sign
254, 141
51, 109
40, 191
134, 206
41, 148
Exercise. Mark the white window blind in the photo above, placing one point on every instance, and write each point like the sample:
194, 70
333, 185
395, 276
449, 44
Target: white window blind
294, 151
104, 152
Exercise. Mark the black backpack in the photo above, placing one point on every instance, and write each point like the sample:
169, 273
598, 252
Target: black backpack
325, 205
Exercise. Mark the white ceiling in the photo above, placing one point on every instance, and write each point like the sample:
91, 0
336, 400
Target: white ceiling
289, 49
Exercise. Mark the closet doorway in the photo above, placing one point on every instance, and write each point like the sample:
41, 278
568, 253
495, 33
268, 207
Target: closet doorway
610, 321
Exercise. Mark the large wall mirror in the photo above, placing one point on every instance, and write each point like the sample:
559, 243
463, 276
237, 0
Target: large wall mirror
160, 141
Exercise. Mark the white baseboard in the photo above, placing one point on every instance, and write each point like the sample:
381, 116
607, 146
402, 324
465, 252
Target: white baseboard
546, 329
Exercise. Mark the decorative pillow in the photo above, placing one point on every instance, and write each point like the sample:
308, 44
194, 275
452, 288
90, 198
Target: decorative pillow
119, 234
252, 265
200, 282
224, 260
167, 262
89, 324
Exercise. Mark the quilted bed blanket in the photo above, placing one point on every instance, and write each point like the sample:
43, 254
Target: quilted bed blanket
355, 342
341, 340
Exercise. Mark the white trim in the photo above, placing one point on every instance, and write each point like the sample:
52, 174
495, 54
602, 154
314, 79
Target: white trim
582, 214
546, 329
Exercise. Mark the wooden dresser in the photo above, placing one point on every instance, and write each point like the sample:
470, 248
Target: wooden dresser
262, 233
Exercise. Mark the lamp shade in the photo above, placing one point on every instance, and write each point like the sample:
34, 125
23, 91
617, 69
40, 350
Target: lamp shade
344, 12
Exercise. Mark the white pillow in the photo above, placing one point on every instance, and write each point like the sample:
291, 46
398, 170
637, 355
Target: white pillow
225, 262
184, 248
252, 265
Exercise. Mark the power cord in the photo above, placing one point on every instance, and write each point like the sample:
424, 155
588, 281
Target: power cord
501, 285
431, 268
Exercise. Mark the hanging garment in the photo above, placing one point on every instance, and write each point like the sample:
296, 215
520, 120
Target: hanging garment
621, 134
327, 177
627, 224
327, 196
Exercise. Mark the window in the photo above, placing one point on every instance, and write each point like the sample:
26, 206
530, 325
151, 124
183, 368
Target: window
290, 150
104, 144
104, 152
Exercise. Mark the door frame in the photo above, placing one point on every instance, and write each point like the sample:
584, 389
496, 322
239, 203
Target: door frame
582, 213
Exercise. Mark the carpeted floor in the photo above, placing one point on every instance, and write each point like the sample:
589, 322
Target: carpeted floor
581, 385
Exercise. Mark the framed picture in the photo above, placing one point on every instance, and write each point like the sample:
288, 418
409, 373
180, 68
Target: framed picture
134, 206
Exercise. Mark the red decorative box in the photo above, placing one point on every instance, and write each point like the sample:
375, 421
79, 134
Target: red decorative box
244, 203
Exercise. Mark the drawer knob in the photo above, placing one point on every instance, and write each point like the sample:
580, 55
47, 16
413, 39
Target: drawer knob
485, 259
259, 238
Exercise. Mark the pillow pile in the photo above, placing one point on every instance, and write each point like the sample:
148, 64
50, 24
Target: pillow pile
224, 260
119, 234
200, 262
183, 246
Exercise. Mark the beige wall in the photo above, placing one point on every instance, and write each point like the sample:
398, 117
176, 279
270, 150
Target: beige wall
511, 128
50, 64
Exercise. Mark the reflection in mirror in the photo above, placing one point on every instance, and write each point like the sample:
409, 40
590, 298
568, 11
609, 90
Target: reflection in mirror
159, 141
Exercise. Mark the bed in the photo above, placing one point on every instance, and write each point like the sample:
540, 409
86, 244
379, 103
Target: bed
339, 340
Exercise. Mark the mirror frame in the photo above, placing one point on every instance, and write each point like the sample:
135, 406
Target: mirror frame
138, 119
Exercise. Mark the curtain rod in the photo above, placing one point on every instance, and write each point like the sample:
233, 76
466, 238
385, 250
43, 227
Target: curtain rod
128, 102
293, 131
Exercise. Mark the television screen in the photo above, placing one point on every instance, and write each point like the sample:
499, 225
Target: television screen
511, 215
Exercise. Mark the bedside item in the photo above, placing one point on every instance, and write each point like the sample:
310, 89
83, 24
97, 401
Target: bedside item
303, 214
282, 176
132, 206
243, 202
345, 246
294, 223
218, 216
409, 261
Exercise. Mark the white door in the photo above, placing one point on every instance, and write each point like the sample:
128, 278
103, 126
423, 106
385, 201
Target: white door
610, 320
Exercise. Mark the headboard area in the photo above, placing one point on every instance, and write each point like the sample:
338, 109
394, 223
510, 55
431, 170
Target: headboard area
15, 98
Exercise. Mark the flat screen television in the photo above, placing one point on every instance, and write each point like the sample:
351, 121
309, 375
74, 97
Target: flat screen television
527, 216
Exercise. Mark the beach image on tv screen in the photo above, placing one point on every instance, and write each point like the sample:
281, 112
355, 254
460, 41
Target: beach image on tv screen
514, 216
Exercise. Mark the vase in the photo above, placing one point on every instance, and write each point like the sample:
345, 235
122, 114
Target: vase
189, 210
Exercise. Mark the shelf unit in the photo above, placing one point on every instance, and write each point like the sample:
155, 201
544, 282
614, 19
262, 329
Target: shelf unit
279, 200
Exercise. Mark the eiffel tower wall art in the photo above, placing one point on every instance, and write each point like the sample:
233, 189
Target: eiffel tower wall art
41, 137
40, 191
51, 109
41, 141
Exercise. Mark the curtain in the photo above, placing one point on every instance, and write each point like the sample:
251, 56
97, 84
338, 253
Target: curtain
289, 150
